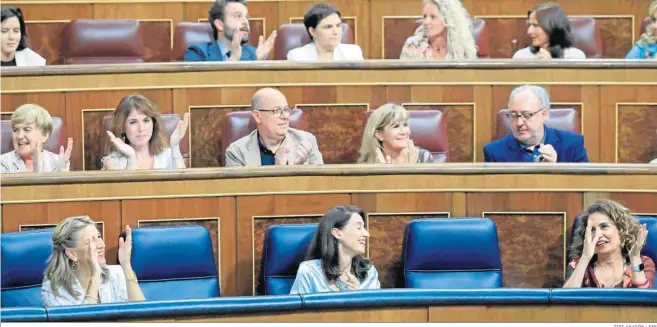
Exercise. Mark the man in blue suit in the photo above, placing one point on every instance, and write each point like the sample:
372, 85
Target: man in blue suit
230, 26
531, 140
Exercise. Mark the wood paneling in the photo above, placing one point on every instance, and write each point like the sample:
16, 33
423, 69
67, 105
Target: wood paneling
107, 212
207, 135
637, 133
201, 211
259, 206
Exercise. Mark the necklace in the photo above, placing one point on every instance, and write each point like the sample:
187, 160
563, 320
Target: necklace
622, 277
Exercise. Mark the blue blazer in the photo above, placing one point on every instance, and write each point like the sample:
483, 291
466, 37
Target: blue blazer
210, 51
569, 147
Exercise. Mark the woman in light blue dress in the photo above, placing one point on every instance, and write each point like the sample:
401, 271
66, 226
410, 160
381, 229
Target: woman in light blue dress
335, 259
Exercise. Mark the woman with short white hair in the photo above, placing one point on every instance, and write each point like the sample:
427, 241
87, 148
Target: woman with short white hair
31, 127
445, 33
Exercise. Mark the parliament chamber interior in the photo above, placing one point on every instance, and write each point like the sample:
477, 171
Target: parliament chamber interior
479, 161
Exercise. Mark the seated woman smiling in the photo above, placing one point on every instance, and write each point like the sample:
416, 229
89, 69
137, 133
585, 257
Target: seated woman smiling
335, 260
31, 127
324, 26
77, 273
142, 144
387, 138
606, 250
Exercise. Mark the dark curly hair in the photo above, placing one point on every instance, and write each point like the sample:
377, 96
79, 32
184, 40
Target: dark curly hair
628, 226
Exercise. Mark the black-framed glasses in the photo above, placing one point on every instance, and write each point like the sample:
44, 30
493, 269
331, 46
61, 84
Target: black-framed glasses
513, 115
277, 111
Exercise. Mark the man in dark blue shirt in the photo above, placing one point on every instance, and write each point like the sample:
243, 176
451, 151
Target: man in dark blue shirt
230, 27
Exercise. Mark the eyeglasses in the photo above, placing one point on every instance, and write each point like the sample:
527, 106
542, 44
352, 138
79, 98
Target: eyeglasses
513, 115
277, 112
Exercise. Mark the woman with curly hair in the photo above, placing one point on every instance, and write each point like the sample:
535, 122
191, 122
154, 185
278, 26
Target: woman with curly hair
445, 33
646, 46
551, 38
606, 250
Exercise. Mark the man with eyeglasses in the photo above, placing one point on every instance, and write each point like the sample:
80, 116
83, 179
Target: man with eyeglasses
273, 142
532, 140
230, 27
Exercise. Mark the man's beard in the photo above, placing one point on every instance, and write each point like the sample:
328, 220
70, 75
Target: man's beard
230, 33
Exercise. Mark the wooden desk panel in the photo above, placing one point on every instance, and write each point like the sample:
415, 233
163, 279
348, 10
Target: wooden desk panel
615, 100
380, 24
534, 207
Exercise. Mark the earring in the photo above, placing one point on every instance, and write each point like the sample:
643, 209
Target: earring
339, 240
76, 265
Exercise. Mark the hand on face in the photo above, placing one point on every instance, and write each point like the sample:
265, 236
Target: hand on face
94, 262
411, 152
635, 251
179, 133
590, 242
64, 155
125, 149
548, 153
125, 248
265, 47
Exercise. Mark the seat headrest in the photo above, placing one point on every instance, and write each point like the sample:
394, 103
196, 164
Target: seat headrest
451, 244
566, 119
57, 136
25, 257
102, 41
285, 248
586, 36
175, 252
291, 36
650, 249
240, 123
480, 33
188, 33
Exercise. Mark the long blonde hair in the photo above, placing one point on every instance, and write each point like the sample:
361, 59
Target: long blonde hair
60, 270
387, 114
648, 37
460, 42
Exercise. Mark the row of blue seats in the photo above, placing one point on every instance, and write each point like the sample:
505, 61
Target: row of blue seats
437, 254
391, 298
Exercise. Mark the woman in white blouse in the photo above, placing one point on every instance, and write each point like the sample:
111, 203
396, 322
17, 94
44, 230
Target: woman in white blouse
324, 25
551, 37
141, 143
31, 126
77, 272
14, 41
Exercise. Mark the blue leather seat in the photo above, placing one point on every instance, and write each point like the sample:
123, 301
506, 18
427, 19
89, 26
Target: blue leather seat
24, 260
175, 263
23, 314
650, 249
452, 253
284, 249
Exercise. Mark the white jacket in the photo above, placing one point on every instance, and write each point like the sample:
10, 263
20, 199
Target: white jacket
343, 51
27, 57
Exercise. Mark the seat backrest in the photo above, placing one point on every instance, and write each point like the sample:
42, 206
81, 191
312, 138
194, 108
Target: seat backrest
170, 121
188, 33
102, 41
175, 262
428, 131
565, 119
451, 253
291, 36
586, 36
24, 260
480, 33
284, 249
56, 139
646, 23
240, 123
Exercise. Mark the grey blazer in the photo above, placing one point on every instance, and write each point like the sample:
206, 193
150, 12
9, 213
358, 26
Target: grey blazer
246, 152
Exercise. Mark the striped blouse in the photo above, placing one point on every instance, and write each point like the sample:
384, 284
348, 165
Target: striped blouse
310, 279
113, 290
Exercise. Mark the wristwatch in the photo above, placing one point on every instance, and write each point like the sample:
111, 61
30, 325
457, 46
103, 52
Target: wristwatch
637, 268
